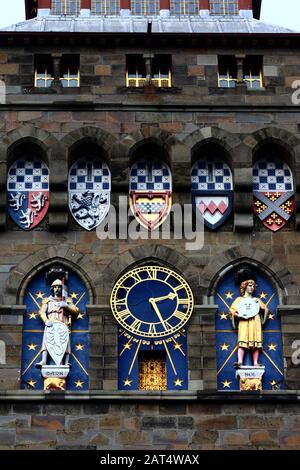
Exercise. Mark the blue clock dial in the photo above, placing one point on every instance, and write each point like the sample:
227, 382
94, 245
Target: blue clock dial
152, 302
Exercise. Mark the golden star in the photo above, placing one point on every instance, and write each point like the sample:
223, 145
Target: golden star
263, 295
229, 295
272, 347
31, 347
224, 347
271, 316
32, 316
78, 383
39, 295
223, 316
177, 346
127, 345
32, 383
80, 316
178, 382
127, 382
79, 347
74, 295
226, 384
273, 382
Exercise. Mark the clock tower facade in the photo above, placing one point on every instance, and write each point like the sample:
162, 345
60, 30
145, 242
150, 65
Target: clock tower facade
149, 176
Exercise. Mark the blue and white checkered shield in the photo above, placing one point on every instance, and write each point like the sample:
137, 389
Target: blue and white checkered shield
89, 191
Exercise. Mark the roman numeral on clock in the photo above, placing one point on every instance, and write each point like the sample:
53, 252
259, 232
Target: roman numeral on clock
152, 273
124, 314
136, 324
179, 315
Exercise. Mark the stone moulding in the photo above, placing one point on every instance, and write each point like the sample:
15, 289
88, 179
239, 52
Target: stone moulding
291, 396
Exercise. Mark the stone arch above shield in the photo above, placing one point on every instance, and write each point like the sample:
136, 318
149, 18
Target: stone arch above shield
150, 188
273, 189
212, 187
28, 188
55, 339
89, 191
248, 330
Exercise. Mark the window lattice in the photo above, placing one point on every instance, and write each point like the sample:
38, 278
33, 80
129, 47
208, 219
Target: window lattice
145, 7
105, 7
224, 7
185, 7
65, 7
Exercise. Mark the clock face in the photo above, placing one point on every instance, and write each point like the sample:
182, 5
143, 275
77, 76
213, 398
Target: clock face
152, 302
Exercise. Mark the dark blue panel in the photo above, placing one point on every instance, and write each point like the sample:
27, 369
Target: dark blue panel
226, 337
33, 328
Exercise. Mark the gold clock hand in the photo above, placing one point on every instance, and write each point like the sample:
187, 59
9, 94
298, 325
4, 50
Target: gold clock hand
152, 302
170, 296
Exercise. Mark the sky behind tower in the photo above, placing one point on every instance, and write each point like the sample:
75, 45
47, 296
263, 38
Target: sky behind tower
272, 12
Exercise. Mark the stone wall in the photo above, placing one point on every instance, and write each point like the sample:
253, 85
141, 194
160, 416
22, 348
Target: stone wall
162, 422
119, 121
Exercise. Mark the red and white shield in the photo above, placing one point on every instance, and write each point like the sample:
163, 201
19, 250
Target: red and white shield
151, 209
273, 193
150, 192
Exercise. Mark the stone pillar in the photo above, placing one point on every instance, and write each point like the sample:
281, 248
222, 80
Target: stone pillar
85, 7
44, 7
56, 84
125, 7
148, 63
245, 8
164, 6
240, 71
204, 8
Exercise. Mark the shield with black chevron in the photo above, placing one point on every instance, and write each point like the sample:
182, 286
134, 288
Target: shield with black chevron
273, 193
150, 192
212, 191
89, 191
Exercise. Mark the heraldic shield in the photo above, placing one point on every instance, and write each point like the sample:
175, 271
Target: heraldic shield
89, 191
212, 192
273, 193
56, 339
150, 192
28, 192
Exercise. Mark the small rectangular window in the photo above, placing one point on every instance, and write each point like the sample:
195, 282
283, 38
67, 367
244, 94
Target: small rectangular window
184, 7
69, 71
136, 74
161, 71
224, 7
145, 7
253, 75
135, 70
43, 71
105, 7
227, 76
65, 7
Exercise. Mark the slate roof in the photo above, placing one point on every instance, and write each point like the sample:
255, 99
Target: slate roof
136, 24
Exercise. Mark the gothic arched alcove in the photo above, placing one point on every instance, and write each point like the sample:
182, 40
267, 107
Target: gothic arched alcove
36, 291
271, 356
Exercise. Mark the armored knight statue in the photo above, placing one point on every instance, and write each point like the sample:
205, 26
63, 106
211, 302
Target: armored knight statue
251, 313
55, 312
